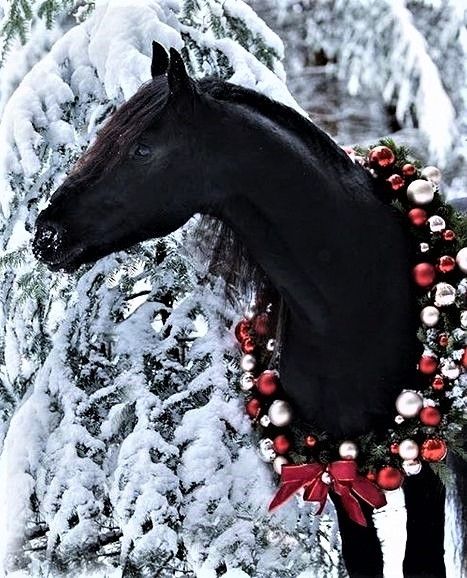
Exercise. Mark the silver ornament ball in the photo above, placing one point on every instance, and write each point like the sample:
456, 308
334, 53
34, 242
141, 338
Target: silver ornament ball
248, 362
412, 467
280, 413
445, 294
409, 403
247, 381
278, 462
348, 450
461, 259
420, 192
408, 450
432, 173
429, 316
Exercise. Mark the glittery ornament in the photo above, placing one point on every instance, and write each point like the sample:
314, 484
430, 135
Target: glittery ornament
348, 450
247, 381
463, 319
446, 264
280, 413
266, 450
399, 419
432, 173
433, 450
420, 192
449, 235
381, 157
271, 344
326, 478
248, 345
264, 420
389, 478
424, 247
409, 170
396, 182
310, 441
253, 407
445, 294
443, 340
438, 383
412, 467
436, 224
409, 403
429, 316
408, 449
394, 448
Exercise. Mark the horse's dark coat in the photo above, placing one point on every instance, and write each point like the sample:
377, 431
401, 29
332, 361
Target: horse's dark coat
311, 219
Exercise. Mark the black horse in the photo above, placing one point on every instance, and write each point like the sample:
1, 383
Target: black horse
310, 221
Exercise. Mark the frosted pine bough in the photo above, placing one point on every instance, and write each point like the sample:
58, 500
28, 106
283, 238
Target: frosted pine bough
123, 441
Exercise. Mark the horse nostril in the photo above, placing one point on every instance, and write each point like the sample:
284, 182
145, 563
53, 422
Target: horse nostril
47, 236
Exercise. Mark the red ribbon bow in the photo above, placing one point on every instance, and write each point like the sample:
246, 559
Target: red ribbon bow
344, 481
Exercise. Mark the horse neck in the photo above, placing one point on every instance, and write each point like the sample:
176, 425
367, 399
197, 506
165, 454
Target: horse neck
340, 260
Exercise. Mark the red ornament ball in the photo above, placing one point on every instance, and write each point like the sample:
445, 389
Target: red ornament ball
248, 345
464, 358
449, 235
417, 216
281, 444
433, 450
446, 264
242, 330
260, 324
268, 382
394, 448
310, 441
408, 170
381, 157
427, 364
371, 476
437, 383
430, 416
396, 182
424, 274
443, 339
389, 478
253, 407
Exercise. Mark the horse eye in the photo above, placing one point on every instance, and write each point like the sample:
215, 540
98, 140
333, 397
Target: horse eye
141, 151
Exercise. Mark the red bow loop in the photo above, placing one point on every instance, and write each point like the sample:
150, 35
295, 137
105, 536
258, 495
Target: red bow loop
345, 481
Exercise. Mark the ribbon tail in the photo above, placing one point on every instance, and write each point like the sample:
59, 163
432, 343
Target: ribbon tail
284, 493
350, 503
317, 492
369, 492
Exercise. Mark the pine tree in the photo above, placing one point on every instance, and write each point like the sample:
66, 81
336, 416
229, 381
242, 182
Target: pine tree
125, 441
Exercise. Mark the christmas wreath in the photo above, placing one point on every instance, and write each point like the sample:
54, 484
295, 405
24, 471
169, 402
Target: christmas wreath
429, 417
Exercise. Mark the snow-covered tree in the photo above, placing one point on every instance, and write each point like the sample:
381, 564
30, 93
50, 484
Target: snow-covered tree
124, 441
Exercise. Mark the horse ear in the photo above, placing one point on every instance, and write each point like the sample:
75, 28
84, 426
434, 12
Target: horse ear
178, 78
160, 59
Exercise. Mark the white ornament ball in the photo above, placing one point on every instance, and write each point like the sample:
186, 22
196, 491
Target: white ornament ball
278, 462
326, 478
429, 316
264, 420
248, 362
271, 344
348, 450
432, 173
420, 192
424, 247
408, 450
464, 319
409, 403
461, 260
266, 450
450, 369
247, 381
445, 294
280, 413
399, 419
412, 467
436, 224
